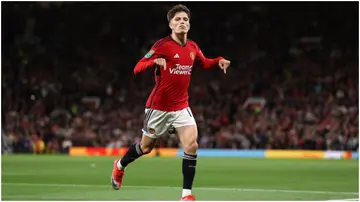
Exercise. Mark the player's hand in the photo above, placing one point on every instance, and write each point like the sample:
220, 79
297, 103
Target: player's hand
161, 62
224, 64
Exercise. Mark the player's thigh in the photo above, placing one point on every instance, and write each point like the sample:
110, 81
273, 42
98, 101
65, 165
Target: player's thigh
156, 123
188, 136
186, 128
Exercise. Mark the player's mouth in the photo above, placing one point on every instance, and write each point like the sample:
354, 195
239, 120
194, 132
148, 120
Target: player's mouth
182, 26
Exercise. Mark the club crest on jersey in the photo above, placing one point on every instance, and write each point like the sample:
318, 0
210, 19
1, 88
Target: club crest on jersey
192, 56
149, 54
151, 131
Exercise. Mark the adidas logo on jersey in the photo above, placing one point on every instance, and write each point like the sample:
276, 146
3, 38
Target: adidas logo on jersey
177, 56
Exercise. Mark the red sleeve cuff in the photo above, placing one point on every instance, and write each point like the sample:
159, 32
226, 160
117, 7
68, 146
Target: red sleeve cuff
219, 58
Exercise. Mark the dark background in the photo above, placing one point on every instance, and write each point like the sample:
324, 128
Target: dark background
301, 57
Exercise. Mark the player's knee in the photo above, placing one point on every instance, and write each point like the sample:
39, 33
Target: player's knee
146, 149
194, 146
191, 147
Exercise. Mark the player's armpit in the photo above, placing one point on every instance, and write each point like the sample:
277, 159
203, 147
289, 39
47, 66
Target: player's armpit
204, 62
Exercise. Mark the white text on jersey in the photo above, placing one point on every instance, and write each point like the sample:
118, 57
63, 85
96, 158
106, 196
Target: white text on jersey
181, 69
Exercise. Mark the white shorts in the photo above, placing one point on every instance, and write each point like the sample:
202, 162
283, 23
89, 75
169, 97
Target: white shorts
157, 123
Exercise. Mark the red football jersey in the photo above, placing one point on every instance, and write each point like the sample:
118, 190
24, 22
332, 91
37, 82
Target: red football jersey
170, 92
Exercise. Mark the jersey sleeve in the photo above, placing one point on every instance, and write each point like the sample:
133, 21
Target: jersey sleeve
148, 60
202, 61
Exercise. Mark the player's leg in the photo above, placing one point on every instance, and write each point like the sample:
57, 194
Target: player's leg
188, 139
135, 151
187, 131
154, 125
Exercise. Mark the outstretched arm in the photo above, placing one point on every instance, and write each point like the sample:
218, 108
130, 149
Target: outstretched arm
207, 63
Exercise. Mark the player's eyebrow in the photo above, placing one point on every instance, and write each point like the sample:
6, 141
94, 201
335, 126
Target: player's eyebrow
185, 18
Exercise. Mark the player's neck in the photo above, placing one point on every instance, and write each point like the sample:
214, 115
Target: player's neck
179, 38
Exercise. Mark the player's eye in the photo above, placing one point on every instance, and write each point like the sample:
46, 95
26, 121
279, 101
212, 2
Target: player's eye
177, 19
186, 19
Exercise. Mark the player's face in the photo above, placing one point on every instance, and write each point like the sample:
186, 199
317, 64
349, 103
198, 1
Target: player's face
180, 23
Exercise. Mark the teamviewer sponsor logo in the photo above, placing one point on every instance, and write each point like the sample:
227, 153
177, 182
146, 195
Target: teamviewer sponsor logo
181, 69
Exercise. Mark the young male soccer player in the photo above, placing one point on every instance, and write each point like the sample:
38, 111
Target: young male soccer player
172, 58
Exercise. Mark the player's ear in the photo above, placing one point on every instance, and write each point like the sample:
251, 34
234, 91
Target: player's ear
171, 25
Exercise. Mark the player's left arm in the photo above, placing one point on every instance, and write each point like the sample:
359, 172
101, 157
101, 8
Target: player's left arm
207, 63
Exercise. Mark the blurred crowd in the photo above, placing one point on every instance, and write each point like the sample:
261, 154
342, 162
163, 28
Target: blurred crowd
67, 75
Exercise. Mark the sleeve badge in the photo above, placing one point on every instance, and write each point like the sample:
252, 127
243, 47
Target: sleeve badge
149, 54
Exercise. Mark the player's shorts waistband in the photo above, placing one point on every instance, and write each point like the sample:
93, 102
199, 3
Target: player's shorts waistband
166, 109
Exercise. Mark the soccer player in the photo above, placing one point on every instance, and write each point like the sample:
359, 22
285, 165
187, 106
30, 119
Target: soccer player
172, 59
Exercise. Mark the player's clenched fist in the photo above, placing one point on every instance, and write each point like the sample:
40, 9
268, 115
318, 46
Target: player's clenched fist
224, 64
161, 62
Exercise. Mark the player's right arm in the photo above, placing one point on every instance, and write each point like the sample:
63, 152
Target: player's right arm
151, 59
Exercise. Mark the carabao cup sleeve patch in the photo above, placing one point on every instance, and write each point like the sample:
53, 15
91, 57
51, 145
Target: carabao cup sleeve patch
149, 54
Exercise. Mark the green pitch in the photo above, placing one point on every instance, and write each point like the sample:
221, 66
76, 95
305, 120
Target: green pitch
152, 178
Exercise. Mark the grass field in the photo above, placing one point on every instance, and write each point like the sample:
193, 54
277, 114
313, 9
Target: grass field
154, 178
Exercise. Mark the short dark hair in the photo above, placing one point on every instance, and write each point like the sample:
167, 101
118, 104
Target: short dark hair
176, 9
